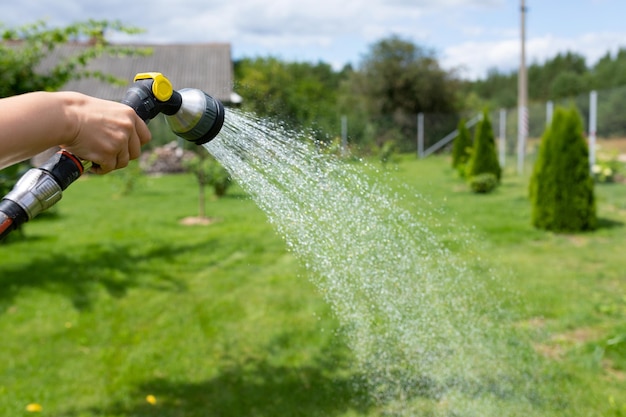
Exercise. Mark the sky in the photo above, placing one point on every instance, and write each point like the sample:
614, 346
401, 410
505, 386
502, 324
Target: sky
471, 37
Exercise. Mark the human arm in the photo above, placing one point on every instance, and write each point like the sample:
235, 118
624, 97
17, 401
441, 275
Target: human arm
107, 133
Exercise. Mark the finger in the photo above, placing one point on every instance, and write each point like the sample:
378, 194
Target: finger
134, 147
122, 159
96, 169
143, 132
104, 167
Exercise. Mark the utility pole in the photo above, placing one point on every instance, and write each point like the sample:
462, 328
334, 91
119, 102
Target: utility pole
522, 97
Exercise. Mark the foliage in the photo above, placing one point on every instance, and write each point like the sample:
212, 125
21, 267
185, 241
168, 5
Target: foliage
561, 187
25, 48
9, 176
129, 177
388, 153
461, 147
395, 81
300, 95
484, 158
483, 183
607, 168
208, 172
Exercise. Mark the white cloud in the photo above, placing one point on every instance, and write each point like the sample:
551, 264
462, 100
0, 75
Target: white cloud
476, 58
476, 34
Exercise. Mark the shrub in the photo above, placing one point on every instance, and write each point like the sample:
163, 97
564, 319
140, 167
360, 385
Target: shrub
607, 167
561, 186
461, 148
483, 183
209, 172
484, 157
388, 152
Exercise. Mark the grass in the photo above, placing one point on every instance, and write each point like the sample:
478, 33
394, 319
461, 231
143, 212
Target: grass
109, 299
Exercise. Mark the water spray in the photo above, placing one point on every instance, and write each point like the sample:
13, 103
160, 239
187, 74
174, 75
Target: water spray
191, 114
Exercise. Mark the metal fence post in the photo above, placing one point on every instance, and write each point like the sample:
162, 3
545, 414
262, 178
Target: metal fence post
593, 113
502, 137
344, 135
420, 135
549, 112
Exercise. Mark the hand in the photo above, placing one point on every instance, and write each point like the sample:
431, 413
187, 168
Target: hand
107, 133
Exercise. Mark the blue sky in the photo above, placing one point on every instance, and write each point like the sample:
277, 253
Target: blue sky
470, 35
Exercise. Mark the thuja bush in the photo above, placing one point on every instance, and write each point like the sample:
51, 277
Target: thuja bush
561, 186
484, 158
461, 148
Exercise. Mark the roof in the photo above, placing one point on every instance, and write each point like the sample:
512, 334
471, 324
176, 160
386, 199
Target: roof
206, 66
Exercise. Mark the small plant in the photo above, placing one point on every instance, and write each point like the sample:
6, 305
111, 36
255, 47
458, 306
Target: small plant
606, 169
208, 172
461, 148
617, 409
484, 158
387, 152
483, 183
129, 177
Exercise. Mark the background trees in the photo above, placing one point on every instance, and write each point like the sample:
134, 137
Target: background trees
23, 49
299, 94
395, 81
381, 95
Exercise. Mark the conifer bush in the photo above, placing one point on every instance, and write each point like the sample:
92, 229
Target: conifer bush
461, 148
484, 158
561, 185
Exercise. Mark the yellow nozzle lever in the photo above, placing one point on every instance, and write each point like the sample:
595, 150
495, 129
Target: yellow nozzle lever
161, 86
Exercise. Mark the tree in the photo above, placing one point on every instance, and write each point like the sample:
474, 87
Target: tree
484, 159
569, 84
23, 49
300, 95
561, 186
496, 90
461, 147
208, 172
541, 78
397, 80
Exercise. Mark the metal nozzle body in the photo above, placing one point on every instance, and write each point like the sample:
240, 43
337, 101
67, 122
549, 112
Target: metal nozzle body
199, 118
36, 191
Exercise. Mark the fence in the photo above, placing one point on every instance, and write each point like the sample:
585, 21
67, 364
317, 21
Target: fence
603, 114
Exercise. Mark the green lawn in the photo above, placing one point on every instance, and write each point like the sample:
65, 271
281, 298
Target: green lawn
108, 299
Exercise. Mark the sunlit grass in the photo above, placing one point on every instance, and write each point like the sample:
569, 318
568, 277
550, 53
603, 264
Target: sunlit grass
110, 307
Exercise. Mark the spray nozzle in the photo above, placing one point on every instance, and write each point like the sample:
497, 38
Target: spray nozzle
191, 113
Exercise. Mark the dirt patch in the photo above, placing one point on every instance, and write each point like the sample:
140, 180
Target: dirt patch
197, 221
532, 323
612, 145
559, 344
613, 373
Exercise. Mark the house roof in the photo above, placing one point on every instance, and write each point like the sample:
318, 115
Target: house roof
206, 66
